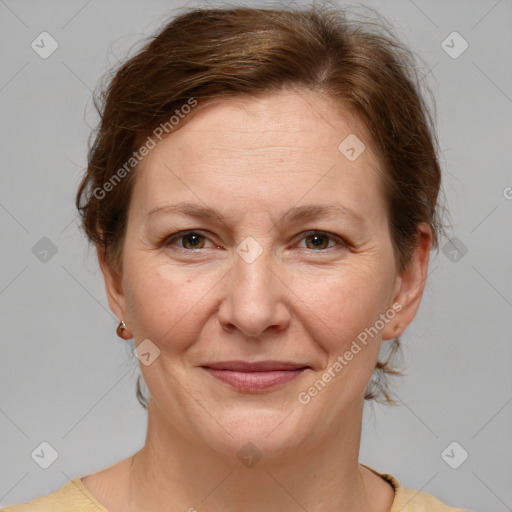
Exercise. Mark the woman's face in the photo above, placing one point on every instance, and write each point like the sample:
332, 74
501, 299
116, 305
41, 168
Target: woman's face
264, 283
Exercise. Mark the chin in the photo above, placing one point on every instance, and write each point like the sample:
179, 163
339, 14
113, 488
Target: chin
251, 433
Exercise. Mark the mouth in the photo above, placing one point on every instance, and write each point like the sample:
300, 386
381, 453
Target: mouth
254, 377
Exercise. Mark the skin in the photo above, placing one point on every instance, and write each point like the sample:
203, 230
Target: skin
253, 159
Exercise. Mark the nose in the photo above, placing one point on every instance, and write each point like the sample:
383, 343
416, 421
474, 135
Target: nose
255, 297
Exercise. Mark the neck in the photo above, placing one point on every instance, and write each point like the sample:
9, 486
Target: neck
174, 472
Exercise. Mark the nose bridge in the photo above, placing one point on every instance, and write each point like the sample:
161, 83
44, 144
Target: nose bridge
253, 300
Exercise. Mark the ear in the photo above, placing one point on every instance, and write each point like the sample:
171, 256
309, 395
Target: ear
113, 286
410, 285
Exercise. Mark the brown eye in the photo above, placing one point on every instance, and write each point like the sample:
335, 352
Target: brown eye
189, 240
319, 241
193, 239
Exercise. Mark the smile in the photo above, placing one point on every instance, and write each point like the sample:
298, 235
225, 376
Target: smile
254, 377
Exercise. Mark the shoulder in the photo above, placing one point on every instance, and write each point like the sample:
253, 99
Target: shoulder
72, 497
409, 500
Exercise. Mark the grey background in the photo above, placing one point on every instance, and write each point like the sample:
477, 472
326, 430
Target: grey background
68, 380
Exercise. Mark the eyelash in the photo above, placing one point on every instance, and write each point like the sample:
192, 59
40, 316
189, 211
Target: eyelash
168, 240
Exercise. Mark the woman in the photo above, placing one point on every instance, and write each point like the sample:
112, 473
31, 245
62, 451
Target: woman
262, 193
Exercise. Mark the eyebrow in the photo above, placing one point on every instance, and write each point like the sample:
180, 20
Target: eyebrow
295, 214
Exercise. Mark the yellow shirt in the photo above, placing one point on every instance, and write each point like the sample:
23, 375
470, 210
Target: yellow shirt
75, 497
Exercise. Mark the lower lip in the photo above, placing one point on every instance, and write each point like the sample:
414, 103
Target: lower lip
255, 381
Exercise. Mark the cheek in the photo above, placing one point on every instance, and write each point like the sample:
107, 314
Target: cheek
168, 305
340, 304
341, 309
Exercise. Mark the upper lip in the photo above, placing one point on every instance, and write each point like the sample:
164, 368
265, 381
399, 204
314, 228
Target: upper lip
259, 366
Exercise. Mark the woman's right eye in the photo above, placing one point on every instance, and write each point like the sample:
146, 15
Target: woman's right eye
188, 240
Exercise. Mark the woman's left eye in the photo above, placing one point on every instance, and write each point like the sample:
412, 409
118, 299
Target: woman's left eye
319, 239
315, 240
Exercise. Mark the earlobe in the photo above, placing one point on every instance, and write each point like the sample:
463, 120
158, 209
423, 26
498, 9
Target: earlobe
410, 284
122, 331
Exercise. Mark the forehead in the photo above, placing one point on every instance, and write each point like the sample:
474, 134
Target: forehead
265, 151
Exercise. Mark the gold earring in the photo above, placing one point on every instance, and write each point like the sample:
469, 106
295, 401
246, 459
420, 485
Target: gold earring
120, 330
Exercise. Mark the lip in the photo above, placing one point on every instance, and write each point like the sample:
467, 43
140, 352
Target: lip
257, 366
257, 376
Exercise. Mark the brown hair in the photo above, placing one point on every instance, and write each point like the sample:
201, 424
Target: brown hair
208, 54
